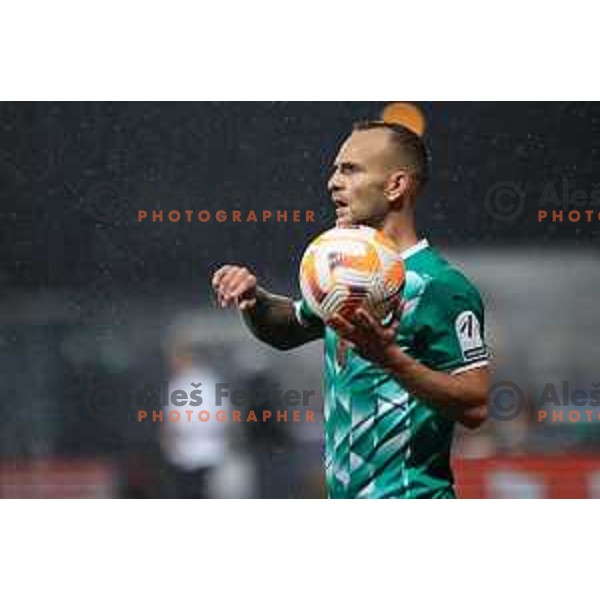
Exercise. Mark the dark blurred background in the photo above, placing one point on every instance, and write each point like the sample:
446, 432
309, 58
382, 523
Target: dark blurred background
94, 302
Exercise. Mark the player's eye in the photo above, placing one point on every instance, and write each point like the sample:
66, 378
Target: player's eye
348, 168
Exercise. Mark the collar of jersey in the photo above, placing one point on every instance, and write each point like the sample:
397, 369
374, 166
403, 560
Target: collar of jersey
420, 245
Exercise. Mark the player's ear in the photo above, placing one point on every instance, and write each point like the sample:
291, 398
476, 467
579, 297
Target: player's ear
398, 185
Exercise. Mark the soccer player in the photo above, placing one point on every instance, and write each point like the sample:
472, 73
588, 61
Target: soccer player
392, 391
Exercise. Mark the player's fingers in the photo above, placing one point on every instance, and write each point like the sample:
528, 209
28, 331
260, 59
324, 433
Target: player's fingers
239, 286
225, 281
343, 327
244, 289
357, 320
235, 281
365, 321
219, 274
229, 276
217, 283
247, 304
220, 283
228, 282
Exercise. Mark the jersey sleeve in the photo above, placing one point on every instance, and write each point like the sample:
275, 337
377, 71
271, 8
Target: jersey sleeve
451, 332
308, 318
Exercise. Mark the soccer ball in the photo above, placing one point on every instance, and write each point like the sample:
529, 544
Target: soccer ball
351, 267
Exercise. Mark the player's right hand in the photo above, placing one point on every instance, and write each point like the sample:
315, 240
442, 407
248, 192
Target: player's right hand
235, 285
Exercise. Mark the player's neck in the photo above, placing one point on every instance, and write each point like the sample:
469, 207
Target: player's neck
401, 229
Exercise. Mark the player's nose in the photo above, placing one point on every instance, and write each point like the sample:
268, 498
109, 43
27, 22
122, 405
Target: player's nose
334, 184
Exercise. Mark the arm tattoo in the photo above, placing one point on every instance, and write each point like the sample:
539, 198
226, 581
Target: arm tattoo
273, 321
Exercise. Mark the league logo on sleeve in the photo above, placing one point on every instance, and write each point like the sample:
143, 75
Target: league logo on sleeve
468, 332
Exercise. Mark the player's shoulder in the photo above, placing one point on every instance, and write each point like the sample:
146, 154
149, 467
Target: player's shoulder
447, 280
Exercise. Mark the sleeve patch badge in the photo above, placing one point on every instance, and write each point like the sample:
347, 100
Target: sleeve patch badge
468, 333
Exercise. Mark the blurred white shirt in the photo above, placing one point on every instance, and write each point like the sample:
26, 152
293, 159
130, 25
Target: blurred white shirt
194, 444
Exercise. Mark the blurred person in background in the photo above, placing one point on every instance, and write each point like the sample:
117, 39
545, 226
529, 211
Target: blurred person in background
268, 442
192, 449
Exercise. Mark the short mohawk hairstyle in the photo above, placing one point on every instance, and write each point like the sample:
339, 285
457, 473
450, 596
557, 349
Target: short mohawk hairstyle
411, 145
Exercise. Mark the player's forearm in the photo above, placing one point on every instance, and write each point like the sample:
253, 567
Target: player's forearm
272, 320
460, 398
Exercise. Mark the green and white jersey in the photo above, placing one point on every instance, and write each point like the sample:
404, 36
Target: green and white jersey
381, 441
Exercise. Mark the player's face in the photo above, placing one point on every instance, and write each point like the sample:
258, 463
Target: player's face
358, 183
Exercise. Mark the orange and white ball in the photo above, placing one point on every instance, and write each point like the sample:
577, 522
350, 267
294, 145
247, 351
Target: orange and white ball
351, 267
